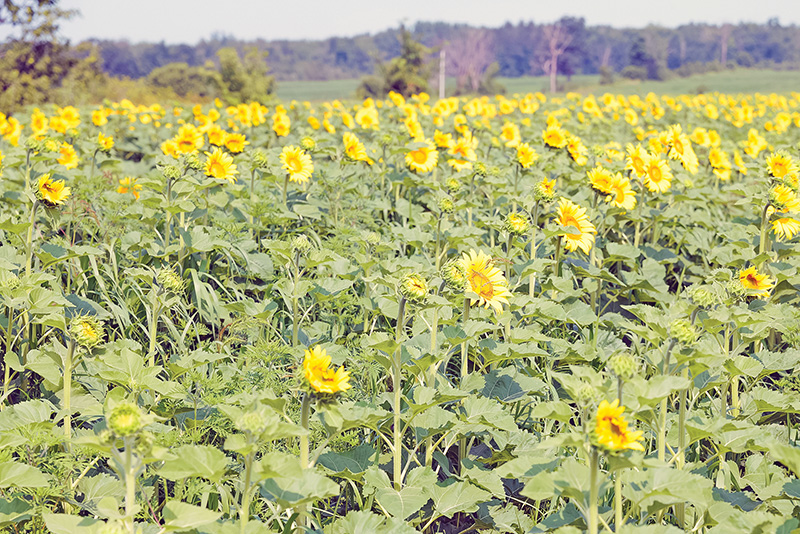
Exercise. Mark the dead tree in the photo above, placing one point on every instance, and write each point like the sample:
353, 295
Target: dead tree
556, 41
469, 55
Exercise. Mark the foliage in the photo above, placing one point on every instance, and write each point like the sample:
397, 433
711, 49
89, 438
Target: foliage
406, 74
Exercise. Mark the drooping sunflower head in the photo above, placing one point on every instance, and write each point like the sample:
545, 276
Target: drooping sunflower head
611, 429
485, 280
785, 228
297, 164
220, 165
51, 192
784, 198
320, 376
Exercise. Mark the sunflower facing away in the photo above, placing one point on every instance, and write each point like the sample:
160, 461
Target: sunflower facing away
51, 192
220, 165
757, 285
485, 280
319, 374
611, 429
422, 159
297, 164
621, 194
570, 214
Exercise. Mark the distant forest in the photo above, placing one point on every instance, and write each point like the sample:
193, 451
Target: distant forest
516, 50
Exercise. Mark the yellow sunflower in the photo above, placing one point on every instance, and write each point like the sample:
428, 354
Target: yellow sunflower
297, 164
570, 214
600, 179
681, 149
52, 192
319, 374
220, 165
235, 142
577, 150
782, 167
129, 184
758, 285
621, 194
784, 198
526, 156
485, 280
105, 142
636, 160
554, 136
422, 159
611, 429
658, 176
189, 139
785, 228
69, 159
354, 148
510, 134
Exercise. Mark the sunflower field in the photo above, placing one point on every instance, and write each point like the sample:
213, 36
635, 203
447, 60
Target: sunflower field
500, 315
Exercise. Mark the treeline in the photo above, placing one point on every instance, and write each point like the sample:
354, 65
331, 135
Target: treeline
517, 49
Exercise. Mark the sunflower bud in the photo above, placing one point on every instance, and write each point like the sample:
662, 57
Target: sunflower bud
544, 191
8, 280
623, 365
414, 287
169, 280
259, 158
683, 331
300, 245
308, 143
454, 275
480, 169
736, 289
454, 185
516, 224
194, 163
586, 394
702, 296
373, 238
125, 419
251, 422
446, 205
87, 331
170, 172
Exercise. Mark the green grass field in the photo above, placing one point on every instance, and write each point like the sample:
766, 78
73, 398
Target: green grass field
735, 81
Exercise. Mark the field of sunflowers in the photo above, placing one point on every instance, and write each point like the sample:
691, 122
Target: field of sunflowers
501, 314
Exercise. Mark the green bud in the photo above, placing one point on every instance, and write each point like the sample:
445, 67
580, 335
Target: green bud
702, 296
480, 169
193, 162
125, 419
251, 422
414, 288
259, 158
300, 244
736, 289
87, 331
308, 143
623, 365
446, 205
169, 280
373, 238
683, 331
516, 224
170, 172
454, 275
586, 394
8, 280
454, 185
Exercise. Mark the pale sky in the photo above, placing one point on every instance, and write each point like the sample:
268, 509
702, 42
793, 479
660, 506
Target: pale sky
188, 21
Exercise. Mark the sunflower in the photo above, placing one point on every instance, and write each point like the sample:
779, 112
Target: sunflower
718, 159
570, 214
129, 184
781, 166
621, 194
297, 164
485, 280
38, 122
554, 137
611, 429
367, 118
785, 228
354, 148
105, 143
220, 165
281, 124
423, 158
443, 140
526, 156
510, 134
658, 176
681, 149
577, 150
51, 192
464, 152
739, 162
758, 285
784, 198
600, 179
189, 140
636, 160
319, 374
236, 142
69, 158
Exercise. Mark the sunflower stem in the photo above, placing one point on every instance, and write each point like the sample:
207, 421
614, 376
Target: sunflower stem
764, 238
285, 189
305, 412
168, 223
680, 461
593, 512
618, 500
68, 391
397, 376
29, 239
462, 453
534, 227
9, 342
295, 304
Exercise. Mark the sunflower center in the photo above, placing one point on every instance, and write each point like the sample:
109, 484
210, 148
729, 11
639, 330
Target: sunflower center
655, 174
419, 156
678, 144
752, 280
294, 165
217, 169
481, 285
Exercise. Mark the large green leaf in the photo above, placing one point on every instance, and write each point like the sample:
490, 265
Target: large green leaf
194, 461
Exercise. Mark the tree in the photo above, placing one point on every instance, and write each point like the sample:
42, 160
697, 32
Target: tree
37, 19
187, 81
407, 74
248, 80
469, 56
556, 40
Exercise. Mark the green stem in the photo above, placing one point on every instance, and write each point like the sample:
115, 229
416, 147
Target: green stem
29, 239
295, 303
168, 223
305, 412
593, 471
618, 500
94, 163
734, 396
534, 228
680, 461
662, 424
285, 191
437, 260
130, 482
27, 169
151, 351
244, 513
462, 446
764, 240
9, 342
557, 259
397, 376
68, 391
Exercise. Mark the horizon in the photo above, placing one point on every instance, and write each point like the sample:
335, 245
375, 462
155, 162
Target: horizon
101, 20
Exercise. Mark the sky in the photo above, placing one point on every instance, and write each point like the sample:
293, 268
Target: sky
189, 21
